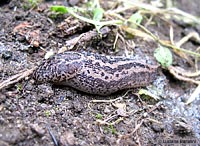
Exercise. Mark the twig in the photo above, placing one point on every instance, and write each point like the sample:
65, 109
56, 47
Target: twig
193, 35
111, 100
148, 33
84, 37
194, 95
52, 136
178, 76
106, 101
185, 77
166, 44
135, 129
196, 59
16, 78
104, 122
184, 73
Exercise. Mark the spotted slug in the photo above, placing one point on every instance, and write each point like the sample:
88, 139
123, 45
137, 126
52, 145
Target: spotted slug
94, 73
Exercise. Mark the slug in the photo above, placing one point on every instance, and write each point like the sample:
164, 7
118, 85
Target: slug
94, 73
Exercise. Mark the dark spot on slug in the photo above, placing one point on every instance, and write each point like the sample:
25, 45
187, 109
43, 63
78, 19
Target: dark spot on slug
97, 64
102, 74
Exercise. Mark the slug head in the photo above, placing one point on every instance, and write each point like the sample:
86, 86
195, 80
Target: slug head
59, 68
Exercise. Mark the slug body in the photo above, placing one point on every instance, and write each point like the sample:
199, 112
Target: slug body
95, 73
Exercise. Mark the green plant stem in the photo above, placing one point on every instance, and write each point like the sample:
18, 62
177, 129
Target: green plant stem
120, 22
112, 22
166, 44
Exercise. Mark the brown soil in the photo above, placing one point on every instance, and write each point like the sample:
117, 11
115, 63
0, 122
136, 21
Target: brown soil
46, 114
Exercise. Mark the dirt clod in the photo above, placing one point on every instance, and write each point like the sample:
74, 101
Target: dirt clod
37, 129
67, 138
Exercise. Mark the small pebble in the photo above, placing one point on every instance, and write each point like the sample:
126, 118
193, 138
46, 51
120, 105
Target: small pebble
78, 106
2, 97
107, 110
6, 55
37, 129
67, 138
157, 127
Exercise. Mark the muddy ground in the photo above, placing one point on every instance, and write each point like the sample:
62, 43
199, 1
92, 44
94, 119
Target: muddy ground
45, 114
